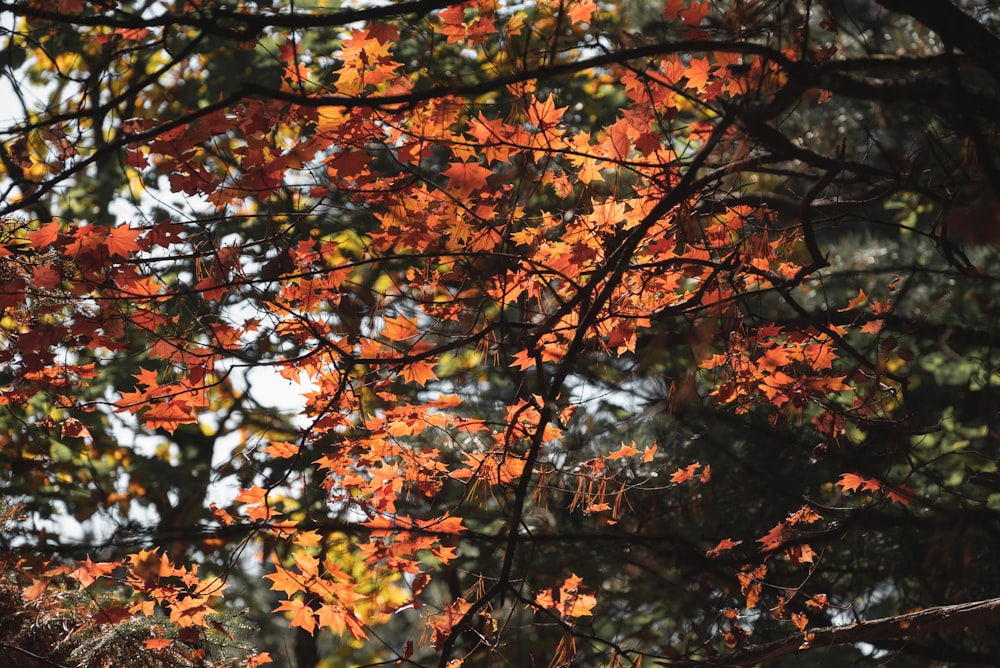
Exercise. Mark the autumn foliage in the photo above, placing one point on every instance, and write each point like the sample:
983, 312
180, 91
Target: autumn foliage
380, 314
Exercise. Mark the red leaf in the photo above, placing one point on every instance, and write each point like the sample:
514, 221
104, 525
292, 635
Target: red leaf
900, 495
44, 236
73, 428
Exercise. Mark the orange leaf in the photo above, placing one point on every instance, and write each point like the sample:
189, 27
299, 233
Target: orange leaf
121, 241
624, 451
852, 482
255, 494
418, 372
467, 177
856, 302
169, 415
697, 73
523, 360
158, 643
258, 660
309, 538
582, 11
724, 544
88, 571
818, 602
285, 581
36, 589
798, 554
189, 611
301, 614
684, 474
544, 114
280, 450
400, 328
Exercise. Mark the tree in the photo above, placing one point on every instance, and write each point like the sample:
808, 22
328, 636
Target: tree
622, 334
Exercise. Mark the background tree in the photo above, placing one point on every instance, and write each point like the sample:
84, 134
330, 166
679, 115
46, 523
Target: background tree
621, 334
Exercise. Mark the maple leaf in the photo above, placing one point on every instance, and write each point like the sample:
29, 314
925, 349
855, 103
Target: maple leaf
582, 11
281, 450
300, 613
900, 495
818, 602
88, 571
856, 302
157, 643
169, 415
774, 538
443, 525
624, 451
258, 660
568, 600
694, 14
211, 287
399, 328
722, 546
45, 235
544, 114
46, 276
189, 611
684, 474
36, 589
852, 482
73, 428
122, 241
309, 538
418, 372
697, 73
672, 9
255, 494
467, 177
873, 327
523, 359
798, 554
338, 619
285, 581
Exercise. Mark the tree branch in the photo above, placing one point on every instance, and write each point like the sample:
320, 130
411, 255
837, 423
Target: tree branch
955, 27
914, 624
